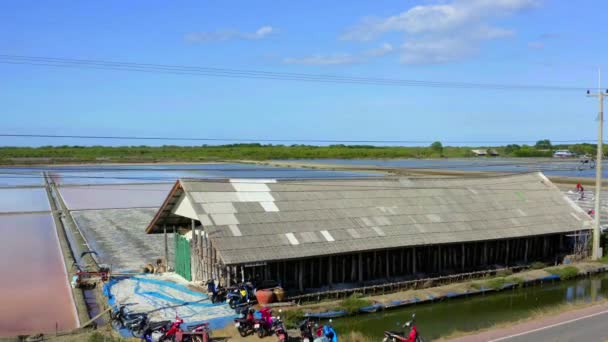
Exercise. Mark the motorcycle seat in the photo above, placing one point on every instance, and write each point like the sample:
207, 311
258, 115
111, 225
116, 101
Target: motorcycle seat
156, 325
134, 316
397, 333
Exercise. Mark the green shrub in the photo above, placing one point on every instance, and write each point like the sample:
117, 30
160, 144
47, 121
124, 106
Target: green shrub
495, 283
504, 273
292, 318
514, 280
353, 303
537, 265
564, 273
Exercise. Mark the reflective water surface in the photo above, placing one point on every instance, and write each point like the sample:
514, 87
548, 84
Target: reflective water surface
34, 291
23, 200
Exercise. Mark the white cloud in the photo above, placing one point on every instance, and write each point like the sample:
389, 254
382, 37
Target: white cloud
442, 32
383, 50
536, 45
344, 58
541, 41
323, 59
223, 35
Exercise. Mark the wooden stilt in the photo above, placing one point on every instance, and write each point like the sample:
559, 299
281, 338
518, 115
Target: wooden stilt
330, 269
343, 269
301, 276
526, 251
439, 258
507, 253
413, 260
166, 246
387, 266
373, 274
462, 266
485, 253
360, 267
353, 268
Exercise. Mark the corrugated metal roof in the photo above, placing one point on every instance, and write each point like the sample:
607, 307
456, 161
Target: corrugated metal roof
274, 220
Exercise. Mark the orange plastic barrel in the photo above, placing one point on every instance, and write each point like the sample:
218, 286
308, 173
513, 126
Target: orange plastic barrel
264, 296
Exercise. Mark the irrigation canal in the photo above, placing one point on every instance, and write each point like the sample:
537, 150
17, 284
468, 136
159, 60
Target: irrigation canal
440, 319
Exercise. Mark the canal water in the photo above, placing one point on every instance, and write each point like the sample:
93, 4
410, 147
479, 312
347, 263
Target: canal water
440, 319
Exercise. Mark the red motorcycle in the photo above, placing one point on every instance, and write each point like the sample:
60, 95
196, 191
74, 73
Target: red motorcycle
175, 333
402, 336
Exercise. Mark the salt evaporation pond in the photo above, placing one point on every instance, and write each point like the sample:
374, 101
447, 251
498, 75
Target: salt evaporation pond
34, 291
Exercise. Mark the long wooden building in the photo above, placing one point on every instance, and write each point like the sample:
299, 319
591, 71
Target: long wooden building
311, 234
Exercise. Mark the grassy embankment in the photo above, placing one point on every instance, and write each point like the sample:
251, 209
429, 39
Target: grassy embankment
143, 154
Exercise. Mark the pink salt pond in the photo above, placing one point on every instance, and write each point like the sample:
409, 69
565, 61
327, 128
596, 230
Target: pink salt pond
34, 289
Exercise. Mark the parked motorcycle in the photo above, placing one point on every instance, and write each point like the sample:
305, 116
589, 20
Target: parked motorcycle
217, 294
402, 336
121, 318
239, 295
245, 323
306, 331
172, 331
279, 329
155, 331
264, 326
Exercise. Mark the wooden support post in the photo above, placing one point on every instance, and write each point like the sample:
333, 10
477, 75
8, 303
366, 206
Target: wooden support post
463, 257
394, 266
343, 269
374, 266
387, 266
228, 276
353, 268
330, 269
311, 276
174, 247
402, 252
485, 253
413, 260
360, 267
301, 276
439, 258
166, 247
242, 274
507, 253
320, 272
526, 251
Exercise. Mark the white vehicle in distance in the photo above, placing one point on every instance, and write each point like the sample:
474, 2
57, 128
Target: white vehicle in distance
563, 154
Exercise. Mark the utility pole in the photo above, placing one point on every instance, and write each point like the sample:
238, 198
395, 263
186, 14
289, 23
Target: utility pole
598, 166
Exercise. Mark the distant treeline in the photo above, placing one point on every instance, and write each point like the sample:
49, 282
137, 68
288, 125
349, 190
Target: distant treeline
82, 154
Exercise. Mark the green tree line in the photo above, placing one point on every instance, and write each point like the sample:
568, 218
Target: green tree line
170, 153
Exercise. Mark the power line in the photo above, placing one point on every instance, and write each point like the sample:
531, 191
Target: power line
255, 74
254, 140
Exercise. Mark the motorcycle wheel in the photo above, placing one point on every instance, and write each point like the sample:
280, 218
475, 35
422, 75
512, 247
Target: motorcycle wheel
243, 332
419, 339
232, 303
138, 332
116, 324
261, 333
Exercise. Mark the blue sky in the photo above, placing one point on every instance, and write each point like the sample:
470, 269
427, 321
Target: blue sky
557, 43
